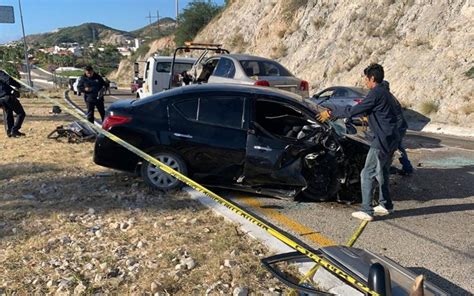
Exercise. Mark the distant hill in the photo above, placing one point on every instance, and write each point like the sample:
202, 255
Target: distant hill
164, 27
83, 34
94, 32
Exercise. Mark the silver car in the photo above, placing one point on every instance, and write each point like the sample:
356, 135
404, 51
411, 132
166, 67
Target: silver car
249, 70
337, 98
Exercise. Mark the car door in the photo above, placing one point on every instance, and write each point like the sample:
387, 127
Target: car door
224, 72
268, 159
209, 131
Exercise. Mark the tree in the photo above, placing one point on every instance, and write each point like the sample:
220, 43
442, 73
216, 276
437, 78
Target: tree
194, 17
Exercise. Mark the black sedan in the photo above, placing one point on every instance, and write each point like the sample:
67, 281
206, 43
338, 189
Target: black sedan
234, 136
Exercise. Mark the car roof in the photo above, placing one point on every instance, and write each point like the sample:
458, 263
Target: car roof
359, 90
243, 57
228, 87
170, 59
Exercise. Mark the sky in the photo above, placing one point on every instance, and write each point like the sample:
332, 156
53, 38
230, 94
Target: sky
42, 16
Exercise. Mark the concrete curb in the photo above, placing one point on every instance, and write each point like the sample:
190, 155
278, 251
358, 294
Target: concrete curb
323, 278
448, 130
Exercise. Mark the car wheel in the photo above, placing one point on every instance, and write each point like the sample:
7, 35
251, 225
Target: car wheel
159, 179
317, 189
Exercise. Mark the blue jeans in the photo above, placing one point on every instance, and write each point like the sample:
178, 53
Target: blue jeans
404, 161
376, 168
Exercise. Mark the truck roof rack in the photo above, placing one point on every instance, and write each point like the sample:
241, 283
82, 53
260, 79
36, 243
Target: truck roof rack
211, 45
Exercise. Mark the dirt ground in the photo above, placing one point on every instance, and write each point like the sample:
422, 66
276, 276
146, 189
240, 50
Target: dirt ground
68, 226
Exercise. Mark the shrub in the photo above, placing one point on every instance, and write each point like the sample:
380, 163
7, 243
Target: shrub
279, 51
468, 108
290, 7
470, 73
429, 107
281, 33
194, 17
237, 40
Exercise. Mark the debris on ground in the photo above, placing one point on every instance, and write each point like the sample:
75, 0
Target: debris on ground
69, 227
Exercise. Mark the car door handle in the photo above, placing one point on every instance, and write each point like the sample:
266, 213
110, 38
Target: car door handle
268, 149
183, 136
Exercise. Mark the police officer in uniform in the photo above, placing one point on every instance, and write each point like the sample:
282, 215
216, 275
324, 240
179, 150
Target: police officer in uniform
93, 86
10, 104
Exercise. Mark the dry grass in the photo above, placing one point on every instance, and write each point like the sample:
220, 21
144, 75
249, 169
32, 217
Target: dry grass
279, 51
429, 107
468, 108
318, 22
290, 7
281, 33
238, 43
61, 218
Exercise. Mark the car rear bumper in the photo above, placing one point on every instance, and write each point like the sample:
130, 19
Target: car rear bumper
110, 154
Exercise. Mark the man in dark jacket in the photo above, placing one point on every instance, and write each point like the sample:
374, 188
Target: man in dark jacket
92, 85
10, 104
407, 168
384, 120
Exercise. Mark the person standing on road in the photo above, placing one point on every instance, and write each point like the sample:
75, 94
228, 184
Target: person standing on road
92, 85
107, 86
384, 120
10, 104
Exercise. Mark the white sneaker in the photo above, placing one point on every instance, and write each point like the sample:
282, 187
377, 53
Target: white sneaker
381, 211
362, 216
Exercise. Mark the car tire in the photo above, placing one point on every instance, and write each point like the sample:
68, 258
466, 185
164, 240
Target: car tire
317, 189
159, 179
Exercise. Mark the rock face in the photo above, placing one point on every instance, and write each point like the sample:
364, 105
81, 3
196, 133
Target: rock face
425, 46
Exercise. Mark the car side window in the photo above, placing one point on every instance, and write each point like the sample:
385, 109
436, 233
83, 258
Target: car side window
279, 119
163, 67
341, 92
225, 68
188, 108
326, 94
222, 110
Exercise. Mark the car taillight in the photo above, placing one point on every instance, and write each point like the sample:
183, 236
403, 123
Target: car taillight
113, 120
304, 85
358, 101
262, 83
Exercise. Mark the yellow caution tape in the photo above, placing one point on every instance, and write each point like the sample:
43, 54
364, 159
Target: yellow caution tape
272, 231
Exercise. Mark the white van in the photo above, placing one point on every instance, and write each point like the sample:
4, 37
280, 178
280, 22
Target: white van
157, 74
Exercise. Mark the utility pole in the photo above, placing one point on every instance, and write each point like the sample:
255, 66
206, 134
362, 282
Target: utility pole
30, 83
149, 17
177, 12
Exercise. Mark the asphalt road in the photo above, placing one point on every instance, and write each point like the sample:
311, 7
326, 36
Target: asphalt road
432, 229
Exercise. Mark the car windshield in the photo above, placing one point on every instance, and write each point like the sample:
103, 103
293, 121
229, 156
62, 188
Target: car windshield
264, 68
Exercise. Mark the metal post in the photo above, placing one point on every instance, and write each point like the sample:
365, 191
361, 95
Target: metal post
177, 12
30, 83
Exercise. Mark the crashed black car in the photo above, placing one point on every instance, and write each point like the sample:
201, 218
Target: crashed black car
248, 138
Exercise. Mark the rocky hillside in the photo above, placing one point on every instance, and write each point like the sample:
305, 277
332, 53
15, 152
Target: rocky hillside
426, 47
